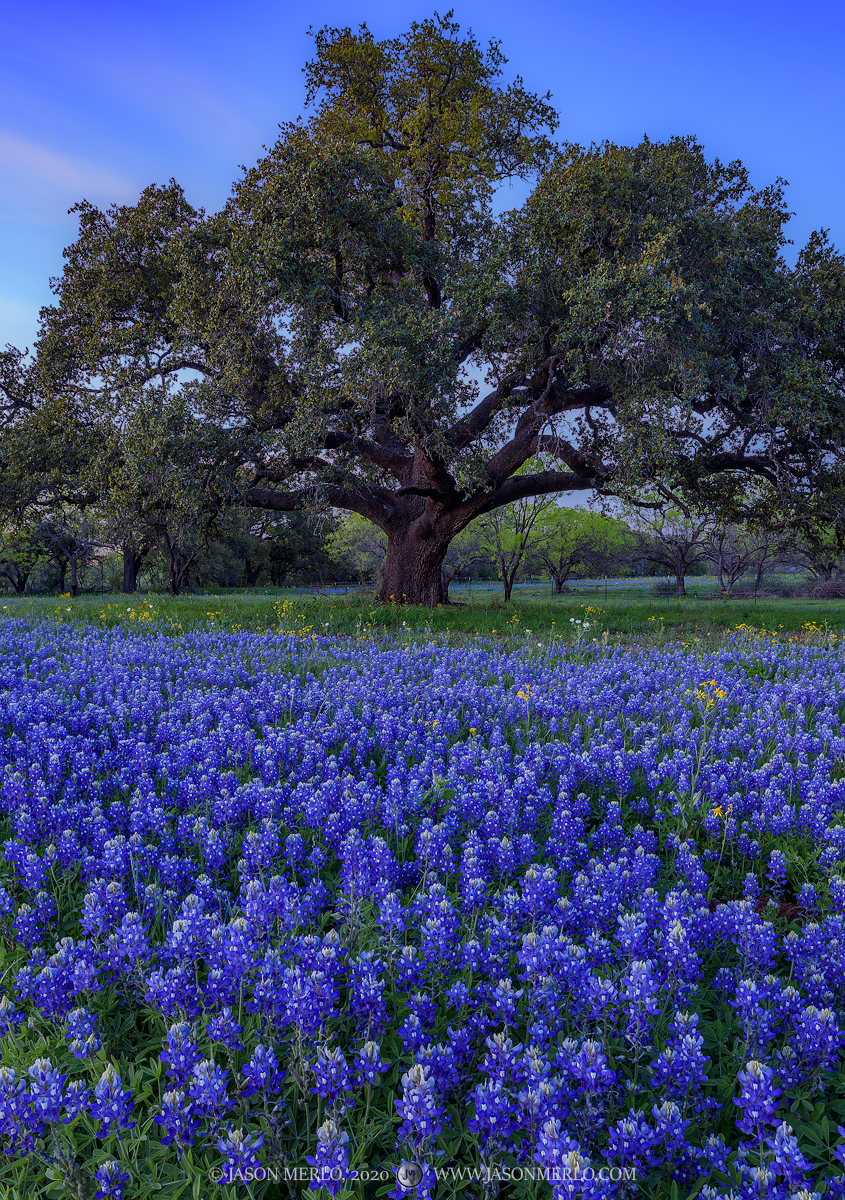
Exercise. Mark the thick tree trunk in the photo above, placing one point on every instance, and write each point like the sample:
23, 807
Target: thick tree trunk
251, 573
130, 569
558, 585
413, 570
173, 572
682, 588
74, 578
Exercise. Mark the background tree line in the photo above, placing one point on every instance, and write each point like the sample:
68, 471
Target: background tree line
533, 539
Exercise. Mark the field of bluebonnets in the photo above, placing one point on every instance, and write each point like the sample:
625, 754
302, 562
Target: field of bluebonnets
282, 912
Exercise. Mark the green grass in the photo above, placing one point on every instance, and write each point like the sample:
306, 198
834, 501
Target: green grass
533, 612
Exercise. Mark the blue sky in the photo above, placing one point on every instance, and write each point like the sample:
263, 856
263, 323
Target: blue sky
98, 100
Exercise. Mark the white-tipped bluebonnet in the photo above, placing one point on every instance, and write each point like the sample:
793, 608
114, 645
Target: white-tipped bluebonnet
332, 1078
77, 1100
369, 1064
240, 1150
10, 1017
111, 1105
46, 1089
13, 1106
224, 1028
110, 1180
788, 1159
331, 1159
82, 1033
180, 1053
419, 1107
496, 1116
758, 1098
207, 1088
262, 1072
180, 1119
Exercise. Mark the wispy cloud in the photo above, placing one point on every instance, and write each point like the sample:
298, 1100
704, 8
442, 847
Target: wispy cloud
27, 164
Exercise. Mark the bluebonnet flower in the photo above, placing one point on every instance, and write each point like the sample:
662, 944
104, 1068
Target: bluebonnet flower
103, 907
366, 993
714, 1154
10, 1017
224, 1028
561, 1156
333, 1079
46, 1091
818, 1039
776, 872
262, 1073
180, 1052
391, 915
458, 995
589, 1067
837, 893
496, 1116
792, 1164
13, 1106
505, 1001
82, 1033
76, 1101
420, 1107
207, 1089
503, 1059
368, 1063
240, 1149
808, 898
670, 1125
331, 1159
410, 967
128, 946
111, 1181
33, 920
638, 999
759, 1097
111, 1104
180, 1120
632, 1140
413, 1033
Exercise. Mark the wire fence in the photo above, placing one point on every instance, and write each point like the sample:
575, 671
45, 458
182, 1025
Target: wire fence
636, 589
639, 589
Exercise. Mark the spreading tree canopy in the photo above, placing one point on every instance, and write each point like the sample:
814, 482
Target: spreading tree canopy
358, 328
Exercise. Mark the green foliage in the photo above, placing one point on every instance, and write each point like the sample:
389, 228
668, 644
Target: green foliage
510, 535
575, 541
359, 548
428, 106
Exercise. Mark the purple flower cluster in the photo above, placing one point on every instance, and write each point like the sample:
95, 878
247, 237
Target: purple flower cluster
285, 855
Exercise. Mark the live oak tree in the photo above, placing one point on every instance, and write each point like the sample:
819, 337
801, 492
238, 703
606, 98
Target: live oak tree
633, 321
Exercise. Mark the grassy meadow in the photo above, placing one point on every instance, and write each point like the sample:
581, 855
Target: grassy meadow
532, 612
